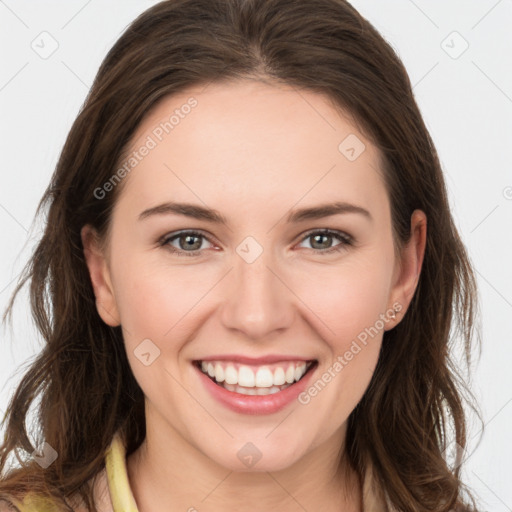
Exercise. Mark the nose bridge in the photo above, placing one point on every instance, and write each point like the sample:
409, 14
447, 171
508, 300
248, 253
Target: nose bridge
258, 302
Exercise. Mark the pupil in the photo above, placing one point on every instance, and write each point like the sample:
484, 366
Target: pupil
316, 237
189, 243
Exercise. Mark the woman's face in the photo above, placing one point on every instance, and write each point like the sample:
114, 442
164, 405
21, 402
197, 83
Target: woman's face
264, 284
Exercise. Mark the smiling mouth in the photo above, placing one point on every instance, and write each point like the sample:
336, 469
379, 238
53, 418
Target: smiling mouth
260, 380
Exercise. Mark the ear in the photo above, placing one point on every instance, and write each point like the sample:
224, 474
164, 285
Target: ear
408, 267
100, 276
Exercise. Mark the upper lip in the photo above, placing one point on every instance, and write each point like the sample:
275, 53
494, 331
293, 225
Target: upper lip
273, 358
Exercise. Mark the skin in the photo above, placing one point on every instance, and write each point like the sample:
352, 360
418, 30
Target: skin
252, 151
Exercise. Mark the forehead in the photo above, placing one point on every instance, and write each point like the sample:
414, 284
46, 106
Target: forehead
248, 141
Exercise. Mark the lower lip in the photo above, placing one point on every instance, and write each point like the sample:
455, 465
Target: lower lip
256, 404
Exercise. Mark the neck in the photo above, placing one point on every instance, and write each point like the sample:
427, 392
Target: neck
180, 477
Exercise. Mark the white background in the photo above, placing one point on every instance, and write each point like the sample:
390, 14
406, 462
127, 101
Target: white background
466, 103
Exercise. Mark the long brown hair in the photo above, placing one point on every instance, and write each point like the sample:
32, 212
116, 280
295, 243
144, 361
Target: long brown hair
82, 375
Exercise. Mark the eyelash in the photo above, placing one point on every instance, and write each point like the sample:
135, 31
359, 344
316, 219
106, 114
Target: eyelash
346, 240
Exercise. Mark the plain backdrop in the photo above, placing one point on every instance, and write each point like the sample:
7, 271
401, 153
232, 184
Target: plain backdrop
458, 56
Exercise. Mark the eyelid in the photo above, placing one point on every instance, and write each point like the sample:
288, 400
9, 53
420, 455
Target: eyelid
327, 231
165, 239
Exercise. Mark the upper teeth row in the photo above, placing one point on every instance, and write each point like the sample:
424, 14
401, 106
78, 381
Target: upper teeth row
264, 377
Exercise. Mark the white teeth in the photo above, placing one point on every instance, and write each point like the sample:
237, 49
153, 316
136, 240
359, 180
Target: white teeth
231, 375
290, 374
245, 377
219, 373
279, 379
264, 378
254, 391
299, 371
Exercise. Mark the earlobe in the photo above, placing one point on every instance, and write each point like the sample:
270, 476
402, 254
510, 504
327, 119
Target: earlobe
100, 277
410, 264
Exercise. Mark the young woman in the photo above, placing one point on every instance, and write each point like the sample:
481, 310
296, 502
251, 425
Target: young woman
248, 278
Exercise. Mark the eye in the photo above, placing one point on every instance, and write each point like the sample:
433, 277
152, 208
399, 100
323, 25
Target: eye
322, 241
189, 243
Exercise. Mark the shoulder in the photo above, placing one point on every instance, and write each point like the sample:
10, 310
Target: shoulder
35, 503
8, 506
30, 503
101, 494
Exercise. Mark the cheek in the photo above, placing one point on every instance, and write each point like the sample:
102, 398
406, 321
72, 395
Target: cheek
346, 295
153, 296
348, 309
346, 298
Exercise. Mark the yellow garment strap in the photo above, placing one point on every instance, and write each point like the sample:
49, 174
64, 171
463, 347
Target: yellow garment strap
118, 483
32, 503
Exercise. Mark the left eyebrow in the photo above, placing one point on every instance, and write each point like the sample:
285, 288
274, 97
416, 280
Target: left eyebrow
325, 210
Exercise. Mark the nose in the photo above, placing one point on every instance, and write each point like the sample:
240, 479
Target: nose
258, 302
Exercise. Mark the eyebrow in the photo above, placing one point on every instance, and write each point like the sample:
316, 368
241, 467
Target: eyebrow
295, 216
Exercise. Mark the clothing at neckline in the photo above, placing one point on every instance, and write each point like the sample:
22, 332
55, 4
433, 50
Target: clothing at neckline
121, 496
124, 501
